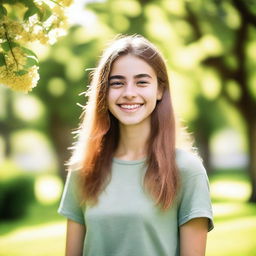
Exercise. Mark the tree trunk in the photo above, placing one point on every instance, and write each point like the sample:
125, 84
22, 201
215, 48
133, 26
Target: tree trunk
61, 138
6, 125
203, 143
252, 158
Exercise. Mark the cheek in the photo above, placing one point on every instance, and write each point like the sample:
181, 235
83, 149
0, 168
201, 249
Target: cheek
151, 95
111, 98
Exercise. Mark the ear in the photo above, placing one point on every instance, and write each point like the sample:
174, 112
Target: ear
160, 91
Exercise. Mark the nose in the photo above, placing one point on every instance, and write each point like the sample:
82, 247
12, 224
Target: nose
129, 91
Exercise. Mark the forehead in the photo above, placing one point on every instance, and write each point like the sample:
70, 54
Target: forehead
131, 65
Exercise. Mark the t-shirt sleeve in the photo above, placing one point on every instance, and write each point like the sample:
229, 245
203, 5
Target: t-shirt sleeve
70, 205
195, 201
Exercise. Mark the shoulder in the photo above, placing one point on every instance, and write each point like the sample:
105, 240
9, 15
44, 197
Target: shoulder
72, 180
189, 164
72, 175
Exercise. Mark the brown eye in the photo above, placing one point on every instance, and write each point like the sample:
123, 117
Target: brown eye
142, 82
115, 84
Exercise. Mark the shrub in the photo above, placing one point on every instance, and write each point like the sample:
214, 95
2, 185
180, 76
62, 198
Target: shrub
16, 193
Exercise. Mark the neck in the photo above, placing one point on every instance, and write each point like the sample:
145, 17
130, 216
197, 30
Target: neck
133, 142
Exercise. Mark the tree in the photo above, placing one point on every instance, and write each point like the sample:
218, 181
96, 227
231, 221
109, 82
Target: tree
63, 79
23, 22
205, 125
237, 64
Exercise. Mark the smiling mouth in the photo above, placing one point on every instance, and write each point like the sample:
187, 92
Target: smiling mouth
129, 106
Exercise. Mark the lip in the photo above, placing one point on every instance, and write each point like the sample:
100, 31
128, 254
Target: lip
130, 103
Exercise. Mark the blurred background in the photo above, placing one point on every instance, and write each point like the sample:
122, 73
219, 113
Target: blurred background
210, 48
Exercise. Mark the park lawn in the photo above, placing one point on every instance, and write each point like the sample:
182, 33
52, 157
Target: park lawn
235, 232
235, 219
42, 231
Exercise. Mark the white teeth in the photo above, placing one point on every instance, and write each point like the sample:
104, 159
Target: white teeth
130, 106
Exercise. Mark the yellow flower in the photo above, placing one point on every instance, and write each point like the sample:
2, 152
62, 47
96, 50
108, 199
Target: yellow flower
10, 73
66, 2
11, 28
58, 11
23, 83
45, 26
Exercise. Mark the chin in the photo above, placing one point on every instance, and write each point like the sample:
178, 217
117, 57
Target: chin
133, 122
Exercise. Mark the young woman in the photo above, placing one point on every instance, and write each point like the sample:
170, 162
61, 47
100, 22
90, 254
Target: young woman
130, 191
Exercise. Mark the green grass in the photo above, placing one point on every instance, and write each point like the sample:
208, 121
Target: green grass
42, 231
235, 219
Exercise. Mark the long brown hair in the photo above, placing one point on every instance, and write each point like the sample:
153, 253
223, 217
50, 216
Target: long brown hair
98, 134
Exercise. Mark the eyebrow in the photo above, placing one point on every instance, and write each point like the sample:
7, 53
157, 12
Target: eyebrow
123, 77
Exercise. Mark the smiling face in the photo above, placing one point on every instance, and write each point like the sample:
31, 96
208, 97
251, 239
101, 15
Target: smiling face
133, 90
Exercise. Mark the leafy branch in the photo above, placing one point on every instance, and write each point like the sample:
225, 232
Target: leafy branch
24, 23
10, 47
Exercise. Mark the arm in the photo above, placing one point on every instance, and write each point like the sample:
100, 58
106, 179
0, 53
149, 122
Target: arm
74, 238
193, 235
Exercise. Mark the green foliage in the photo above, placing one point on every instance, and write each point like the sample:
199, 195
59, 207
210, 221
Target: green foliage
7, 46
2, 59
44, 12
208, 124
21, 23
21, 72
3, 11
30, 12
16, 194
28, 55
31, 61
66, 65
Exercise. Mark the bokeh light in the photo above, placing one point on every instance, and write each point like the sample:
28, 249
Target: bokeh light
32, 151
28, 107
56, 86
230, 190
48, 189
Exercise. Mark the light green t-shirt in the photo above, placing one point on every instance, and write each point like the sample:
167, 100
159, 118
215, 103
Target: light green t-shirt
126, 222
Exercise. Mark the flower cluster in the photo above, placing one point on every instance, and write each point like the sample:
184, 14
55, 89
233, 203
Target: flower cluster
18, 68
23, 83
37, 20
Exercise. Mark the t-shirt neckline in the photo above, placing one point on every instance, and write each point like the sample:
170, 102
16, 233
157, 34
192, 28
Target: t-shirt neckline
129, 162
